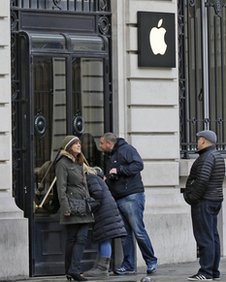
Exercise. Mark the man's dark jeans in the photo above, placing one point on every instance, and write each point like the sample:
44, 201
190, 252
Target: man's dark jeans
204, 220
132, 209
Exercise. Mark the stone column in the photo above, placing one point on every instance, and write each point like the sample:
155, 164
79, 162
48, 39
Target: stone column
14, 257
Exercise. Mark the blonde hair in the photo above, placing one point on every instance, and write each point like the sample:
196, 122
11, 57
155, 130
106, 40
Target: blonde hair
89, 169
96, 170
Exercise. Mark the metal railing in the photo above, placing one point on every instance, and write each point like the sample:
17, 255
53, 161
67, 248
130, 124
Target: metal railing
202, 71
64, 5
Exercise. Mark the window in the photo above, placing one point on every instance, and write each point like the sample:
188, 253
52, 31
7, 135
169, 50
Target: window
202, 70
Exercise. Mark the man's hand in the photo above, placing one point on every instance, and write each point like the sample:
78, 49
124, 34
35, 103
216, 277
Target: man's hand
113, 171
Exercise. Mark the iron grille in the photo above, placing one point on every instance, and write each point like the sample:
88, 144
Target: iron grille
202, 88
64, 5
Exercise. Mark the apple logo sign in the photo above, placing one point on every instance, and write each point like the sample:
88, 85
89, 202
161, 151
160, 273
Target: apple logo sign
157, 39
156, 35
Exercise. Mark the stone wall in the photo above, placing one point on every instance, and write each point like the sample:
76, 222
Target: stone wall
147, 115
14, 228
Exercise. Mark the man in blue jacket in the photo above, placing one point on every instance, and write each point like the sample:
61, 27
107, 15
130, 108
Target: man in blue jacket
123, 176
204, 192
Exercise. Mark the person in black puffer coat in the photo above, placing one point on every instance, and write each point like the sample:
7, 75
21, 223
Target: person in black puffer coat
108, 223
204, 192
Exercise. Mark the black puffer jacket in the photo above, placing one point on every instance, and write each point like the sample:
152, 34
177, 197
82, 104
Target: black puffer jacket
206, 177
127, 161
108, 222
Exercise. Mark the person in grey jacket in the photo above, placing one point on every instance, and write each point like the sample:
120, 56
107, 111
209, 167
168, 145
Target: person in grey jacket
204, 192
71, 181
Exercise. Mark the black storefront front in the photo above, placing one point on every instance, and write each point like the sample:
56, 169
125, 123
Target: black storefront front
61, 84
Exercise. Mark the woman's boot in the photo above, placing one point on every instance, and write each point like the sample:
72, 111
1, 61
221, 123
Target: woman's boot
101, 270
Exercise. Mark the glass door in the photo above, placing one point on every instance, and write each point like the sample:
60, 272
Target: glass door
68, 98
88, 105
59, 111
50, 127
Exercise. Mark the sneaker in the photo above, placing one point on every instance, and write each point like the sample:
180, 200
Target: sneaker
199, 277
123, 271
152, 268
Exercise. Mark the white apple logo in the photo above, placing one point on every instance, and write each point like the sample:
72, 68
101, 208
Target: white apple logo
157, 39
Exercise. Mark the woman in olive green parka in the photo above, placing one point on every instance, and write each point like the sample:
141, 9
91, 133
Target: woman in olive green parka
71, 181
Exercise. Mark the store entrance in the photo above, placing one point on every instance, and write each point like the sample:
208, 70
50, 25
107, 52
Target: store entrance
65, 92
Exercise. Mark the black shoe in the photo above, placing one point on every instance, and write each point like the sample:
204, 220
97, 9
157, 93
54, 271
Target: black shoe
216, 275
124, 271
75, 276
199, 277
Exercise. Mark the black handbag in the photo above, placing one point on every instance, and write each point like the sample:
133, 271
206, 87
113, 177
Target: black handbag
80, 207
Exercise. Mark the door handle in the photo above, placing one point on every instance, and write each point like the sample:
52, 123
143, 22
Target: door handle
78, 125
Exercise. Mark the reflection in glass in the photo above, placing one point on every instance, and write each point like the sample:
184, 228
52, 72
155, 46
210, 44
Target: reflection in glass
47, 41
87, 43
88, 102
49, 75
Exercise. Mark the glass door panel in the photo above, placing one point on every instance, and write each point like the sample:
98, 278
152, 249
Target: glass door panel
62, 97
49, 100
49, 119
88, 105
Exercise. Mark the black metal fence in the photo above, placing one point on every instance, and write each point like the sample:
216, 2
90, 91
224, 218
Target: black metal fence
64, 5
202, 71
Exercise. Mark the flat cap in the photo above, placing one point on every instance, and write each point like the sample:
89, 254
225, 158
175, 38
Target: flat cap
208, 135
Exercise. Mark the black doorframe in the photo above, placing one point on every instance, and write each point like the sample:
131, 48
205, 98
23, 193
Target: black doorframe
24, 193
25, 19
49, 17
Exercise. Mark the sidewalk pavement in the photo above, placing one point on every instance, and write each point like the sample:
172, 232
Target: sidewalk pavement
170, 273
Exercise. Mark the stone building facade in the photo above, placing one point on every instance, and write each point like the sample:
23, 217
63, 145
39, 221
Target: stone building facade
146, 113
14, 227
